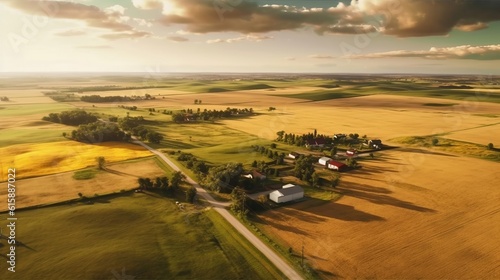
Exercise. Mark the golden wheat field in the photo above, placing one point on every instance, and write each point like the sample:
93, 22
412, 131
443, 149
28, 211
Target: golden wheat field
63, 186
408, 214
32, 160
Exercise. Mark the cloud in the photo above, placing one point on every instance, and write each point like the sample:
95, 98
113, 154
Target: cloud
71, 32
177, 39
413, 18
488, 52
249, 37
320, 56
200, 16
111, 18
132, 34
290, 58
402, 18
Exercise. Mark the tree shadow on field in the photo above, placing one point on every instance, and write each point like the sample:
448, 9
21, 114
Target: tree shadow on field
286, 227
116, 172
334, 210
374, 195
425, 152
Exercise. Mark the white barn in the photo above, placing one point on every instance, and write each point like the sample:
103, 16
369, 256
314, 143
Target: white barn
287, 193
324, 160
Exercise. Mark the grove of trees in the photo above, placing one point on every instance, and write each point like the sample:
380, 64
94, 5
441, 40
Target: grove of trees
187, 115
75, 117
99, 132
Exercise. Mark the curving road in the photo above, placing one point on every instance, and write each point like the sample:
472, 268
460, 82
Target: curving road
286, 269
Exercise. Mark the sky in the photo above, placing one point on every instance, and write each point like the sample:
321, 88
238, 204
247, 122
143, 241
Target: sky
286, 36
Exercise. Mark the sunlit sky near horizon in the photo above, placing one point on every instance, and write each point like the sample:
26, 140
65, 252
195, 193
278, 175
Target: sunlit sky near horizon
322, 36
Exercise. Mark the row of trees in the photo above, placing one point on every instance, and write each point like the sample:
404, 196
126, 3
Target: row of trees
75, 117
163, 184
4, 98
187, 115
115, 98
301, 140
97, 132
168, 186
279, 158
199, 167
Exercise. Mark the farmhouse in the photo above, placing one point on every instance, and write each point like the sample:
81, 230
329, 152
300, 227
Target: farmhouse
287, 193
315, 143
293, 155
335, 165
351, 153
255, 175
324, 160
375, 143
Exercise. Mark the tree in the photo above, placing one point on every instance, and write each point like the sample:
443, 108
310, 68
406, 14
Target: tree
176, 180
333, 151
224, 177
238, 199
101, 162
280, 135
490, 146
304, 168
191, 194
178, 117
196, 101
64, 134
154, 137
335, 180
315, 180
435, 141
352, 163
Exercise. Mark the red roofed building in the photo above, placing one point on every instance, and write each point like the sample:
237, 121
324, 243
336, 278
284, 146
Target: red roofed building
335, 165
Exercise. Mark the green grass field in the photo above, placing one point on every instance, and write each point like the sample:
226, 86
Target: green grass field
146, 236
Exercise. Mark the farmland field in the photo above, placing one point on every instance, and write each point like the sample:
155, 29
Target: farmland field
40, 159
420, 210
134, 234
64, 186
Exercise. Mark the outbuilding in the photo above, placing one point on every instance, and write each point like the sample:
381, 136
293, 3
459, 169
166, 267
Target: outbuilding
324, 160
335, 165
287, 193
293, 155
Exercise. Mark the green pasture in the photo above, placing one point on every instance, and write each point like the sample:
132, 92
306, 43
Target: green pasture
139, 235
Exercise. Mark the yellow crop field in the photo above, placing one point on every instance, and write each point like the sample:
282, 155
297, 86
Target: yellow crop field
31, 160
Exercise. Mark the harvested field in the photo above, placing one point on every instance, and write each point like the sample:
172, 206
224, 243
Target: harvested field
409, 214
61, 187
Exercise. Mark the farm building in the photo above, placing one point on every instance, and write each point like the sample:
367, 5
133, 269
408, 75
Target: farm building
375, 143
324, 160
351, 153
315, 143
293, 155
287, 193
335, 165
255, 175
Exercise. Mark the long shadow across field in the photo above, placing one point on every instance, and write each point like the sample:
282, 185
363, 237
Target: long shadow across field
374, 195
333, 210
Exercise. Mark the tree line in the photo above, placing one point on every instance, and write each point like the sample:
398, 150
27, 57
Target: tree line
75, 117
166, 186
114, 98
187, 115
97, 132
